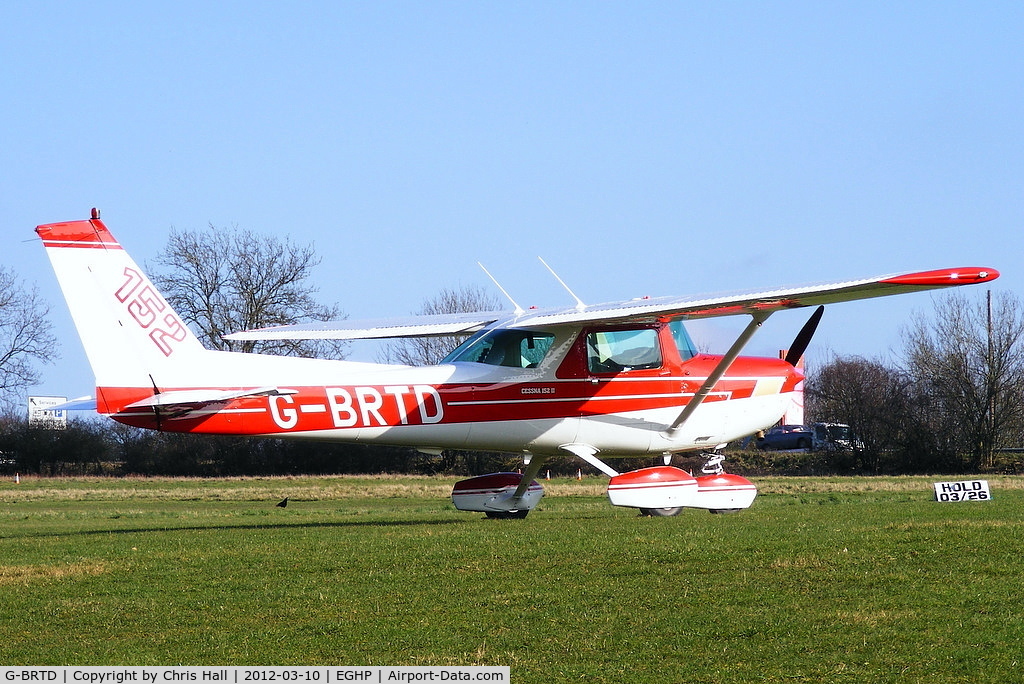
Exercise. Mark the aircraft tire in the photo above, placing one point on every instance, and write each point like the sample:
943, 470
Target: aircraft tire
660, 512
507, 515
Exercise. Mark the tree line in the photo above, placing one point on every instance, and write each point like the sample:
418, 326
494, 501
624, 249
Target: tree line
951, 401
104, 447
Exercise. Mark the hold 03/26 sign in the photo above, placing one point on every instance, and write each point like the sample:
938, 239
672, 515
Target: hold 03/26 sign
967, 490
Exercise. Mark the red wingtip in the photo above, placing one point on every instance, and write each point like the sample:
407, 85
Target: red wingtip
945, 277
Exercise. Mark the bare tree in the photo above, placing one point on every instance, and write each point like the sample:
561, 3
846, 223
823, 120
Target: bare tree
425, 351
226, 280
868, 396
26, 335
968, 363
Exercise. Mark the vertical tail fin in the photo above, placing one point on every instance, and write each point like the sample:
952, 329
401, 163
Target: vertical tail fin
131, 335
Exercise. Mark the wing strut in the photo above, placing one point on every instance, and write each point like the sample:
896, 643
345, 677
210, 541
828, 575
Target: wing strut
757, 318
533, 465
589, 454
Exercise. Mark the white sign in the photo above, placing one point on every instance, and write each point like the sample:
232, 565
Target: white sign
967, 490
41, 413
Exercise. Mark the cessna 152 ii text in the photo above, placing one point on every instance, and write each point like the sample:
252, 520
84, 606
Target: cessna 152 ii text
621, 379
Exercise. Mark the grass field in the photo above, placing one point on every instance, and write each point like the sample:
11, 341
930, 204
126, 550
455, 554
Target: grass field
849, 580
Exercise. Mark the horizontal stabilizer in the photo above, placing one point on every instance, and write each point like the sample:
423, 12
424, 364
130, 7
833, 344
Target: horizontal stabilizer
182, 402
86, 403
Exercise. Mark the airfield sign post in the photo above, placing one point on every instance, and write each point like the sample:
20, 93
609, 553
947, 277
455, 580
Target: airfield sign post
41, 413
966, 490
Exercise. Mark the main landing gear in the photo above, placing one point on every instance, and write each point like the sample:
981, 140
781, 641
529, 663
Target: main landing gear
502, 496
660, 512
506, 515
659, 491
663, 491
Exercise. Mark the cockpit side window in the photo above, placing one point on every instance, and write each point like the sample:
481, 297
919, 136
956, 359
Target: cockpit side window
614, 351
685, 345
503, 347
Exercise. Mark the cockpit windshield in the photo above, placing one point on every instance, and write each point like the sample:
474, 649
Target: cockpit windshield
504, 347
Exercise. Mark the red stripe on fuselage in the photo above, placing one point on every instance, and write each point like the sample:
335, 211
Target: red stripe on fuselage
386, 406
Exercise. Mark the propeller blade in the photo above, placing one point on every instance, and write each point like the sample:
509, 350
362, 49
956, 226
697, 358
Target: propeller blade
803, 338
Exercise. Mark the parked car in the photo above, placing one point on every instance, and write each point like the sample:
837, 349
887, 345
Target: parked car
786, 437
835, 437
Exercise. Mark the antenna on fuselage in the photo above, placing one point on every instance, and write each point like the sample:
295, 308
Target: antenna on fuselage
519, 311
580, 306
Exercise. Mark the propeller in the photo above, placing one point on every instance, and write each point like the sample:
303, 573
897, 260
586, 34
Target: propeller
803, 338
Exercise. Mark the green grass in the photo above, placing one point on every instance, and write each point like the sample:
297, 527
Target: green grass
845, 579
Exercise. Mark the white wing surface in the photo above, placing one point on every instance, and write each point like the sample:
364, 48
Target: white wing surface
732, 304
646, 309
411, 326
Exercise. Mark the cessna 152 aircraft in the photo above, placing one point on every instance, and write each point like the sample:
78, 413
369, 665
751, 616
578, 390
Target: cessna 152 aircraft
599, 382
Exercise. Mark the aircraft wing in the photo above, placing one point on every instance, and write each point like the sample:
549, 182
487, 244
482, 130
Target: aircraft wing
709, 306
412, 326
646, 309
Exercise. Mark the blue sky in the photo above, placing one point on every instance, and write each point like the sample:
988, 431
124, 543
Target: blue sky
641, 148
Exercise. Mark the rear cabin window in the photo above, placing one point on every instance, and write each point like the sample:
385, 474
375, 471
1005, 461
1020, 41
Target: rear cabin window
615, 351
509, 348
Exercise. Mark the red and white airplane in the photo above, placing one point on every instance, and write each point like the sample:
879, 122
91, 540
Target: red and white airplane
621, 379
